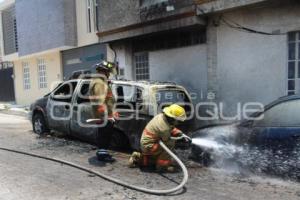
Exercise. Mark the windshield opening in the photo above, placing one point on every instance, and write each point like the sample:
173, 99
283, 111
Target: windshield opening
165, 98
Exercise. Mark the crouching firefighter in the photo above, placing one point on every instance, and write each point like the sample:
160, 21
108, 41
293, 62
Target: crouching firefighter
161, 127
103, 101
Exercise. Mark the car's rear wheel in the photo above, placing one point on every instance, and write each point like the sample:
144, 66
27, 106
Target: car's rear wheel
39, 124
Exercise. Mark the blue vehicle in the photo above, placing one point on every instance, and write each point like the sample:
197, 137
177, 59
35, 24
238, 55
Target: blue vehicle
279, 126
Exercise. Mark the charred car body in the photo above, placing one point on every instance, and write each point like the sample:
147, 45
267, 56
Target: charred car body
68, 107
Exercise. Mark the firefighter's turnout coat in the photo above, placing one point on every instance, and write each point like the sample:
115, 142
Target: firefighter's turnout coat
158, 129
102, 98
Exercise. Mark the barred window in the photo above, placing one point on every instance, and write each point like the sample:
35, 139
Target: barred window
26, 76
42, 73
16, 35
92, 15
176, 39
141, 64
89, 15
96, 14
293, 83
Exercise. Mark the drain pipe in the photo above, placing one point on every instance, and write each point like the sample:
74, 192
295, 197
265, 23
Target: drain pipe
114, 180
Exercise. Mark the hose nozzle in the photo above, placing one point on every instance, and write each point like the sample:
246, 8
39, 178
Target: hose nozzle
183, 136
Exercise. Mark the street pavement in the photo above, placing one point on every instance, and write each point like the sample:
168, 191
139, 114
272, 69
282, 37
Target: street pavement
27, 178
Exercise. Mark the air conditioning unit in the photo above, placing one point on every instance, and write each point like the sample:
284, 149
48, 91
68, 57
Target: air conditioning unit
150, 9
148, 3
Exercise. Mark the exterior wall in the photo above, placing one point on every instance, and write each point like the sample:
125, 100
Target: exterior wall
186, 66
173, 65
124, 57
118, 14
70, 22
212, 60
253, 67
127, 19
84, 38
1, 38
82, 58
26, 97
208, 6
124, 13
44, 25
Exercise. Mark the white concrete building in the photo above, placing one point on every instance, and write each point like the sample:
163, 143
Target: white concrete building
156, 44
256, 66
249, 51
88, 50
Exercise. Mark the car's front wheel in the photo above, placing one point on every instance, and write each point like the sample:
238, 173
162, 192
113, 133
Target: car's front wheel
39, 124
199, 155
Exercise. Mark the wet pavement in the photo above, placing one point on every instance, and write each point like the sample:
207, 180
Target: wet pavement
277, 158
25, 178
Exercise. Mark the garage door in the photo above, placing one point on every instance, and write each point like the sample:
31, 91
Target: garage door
7, 92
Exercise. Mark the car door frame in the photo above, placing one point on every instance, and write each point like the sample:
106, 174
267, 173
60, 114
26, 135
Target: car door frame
77, 129
56, 123
133, 127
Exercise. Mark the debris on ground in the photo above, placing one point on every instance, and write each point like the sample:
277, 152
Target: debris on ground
69, 145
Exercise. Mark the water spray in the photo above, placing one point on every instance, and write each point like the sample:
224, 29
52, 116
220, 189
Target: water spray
205, 144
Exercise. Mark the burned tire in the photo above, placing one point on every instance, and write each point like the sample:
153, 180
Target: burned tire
201, 156
39, 124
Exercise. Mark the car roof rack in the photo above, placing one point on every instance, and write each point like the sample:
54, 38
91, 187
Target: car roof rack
87, 74
149, 82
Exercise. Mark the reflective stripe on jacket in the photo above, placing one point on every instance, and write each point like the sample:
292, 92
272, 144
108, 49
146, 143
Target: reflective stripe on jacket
102, 97
157, 129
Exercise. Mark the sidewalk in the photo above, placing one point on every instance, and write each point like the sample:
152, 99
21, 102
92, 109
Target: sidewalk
13, 109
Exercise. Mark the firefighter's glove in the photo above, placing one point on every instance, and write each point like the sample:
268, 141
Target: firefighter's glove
186, 138
112, 120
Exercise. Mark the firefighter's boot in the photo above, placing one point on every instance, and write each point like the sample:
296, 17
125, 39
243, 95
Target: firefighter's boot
135, 160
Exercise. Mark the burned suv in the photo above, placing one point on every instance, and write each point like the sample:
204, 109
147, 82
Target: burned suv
67, 108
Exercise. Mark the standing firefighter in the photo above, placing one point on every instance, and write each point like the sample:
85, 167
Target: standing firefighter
161, 127
102, 100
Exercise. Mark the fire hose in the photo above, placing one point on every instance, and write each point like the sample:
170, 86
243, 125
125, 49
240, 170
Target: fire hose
114, 180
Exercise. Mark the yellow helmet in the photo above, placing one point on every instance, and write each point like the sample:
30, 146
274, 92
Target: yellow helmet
176, 112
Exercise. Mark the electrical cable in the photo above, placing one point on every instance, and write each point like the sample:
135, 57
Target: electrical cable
114, 180
237, 26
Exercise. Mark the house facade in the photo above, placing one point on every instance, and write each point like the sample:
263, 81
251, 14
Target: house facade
254, 50
7, 93
223, 51
88, 50
158, 41
46, 41
39, 30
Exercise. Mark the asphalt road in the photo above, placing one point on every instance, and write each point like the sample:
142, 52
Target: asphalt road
29, 178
